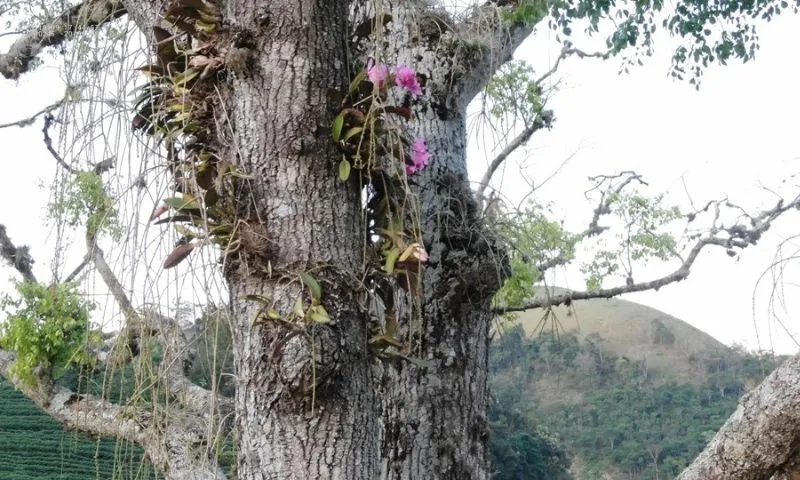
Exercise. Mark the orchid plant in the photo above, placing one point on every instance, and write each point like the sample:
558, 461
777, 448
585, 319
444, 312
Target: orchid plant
371, 142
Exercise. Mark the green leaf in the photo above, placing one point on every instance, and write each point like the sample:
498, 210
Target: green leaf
353, 131
313, 285
344, 169
185, 77
297, 308
318, 314
336, 128
181, 204
357, 81
391, 259
385, 341
258, 298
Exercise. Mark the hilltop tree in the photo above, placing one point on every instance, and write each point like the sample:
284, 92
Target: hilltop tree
320, 147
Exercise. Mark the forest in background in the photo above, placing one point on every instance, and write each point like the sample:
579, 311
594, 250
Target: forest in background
567, 403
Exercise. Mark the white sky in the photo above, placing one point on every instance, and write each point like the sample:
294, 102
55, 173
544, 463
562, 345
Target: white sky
739, 129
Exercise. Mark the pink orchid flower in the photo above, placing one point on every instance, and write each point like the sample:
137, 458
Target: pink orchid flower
377, 73
420, 157
405, 77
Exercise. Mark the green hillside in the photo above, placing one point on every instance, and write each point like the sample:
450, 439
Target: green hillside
630, 391
603, 389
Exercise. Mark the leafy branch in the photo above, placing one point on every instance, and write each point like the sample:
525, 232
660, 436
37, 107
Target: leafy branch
738, 236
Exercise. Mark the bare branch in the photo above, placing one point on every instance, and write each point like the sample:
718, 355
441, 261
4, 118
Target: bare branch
109, 278
29, 120
607, 197
171, 449
543, 120
736, 236
24, 50
569, 51
19, 257
48, 142
77, 270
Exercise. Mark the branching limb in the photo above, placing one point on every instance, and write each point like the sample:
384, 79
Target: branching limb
544, 120
19, 257
84, 412
170, 335
494, 39
24, 50
737, 236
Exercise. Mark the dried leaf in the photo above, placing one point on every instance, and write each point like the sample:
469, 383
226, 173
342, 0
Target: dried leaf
178, 255
160, 210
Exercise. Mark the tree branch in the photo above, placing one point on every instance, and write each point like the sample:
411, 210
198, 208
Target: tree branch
49, 120
495, 39
568, 51
86, 413
736, 236
108, 276
19, 257
760, 440
29, 120
543, 120
23, 51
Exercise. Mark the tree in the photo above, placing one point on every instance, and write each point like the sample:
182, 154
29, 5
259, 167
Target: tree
319, 146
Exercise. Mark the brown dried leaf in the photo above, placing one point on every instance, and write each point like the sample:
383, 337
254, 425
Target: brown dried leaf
178, 255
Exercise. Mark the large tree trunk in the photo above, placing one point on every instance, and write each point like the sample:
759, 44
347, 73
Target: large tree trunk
305, 406
317, 404
312, 399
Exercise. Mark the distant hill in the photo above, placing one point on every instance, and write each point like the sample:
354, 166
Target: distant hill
628, 391
631, 391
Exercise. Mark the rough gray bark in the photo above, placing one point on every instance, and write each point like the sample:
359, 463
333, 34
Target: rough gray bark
760, 440
292, 423
313, 402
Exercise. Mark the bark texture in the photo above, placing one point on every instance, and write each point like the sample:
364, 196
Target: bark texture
304, 396
370, 419
760, 440
312, 401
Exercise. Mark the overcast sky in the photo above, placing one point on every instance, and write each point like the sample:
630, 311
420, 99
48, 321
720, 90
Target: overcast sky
737, 134
738, 130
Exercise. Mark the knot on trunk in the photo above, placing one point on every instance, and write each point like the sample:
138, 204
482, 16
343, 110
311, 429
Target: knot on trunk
470, 255
304, 359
